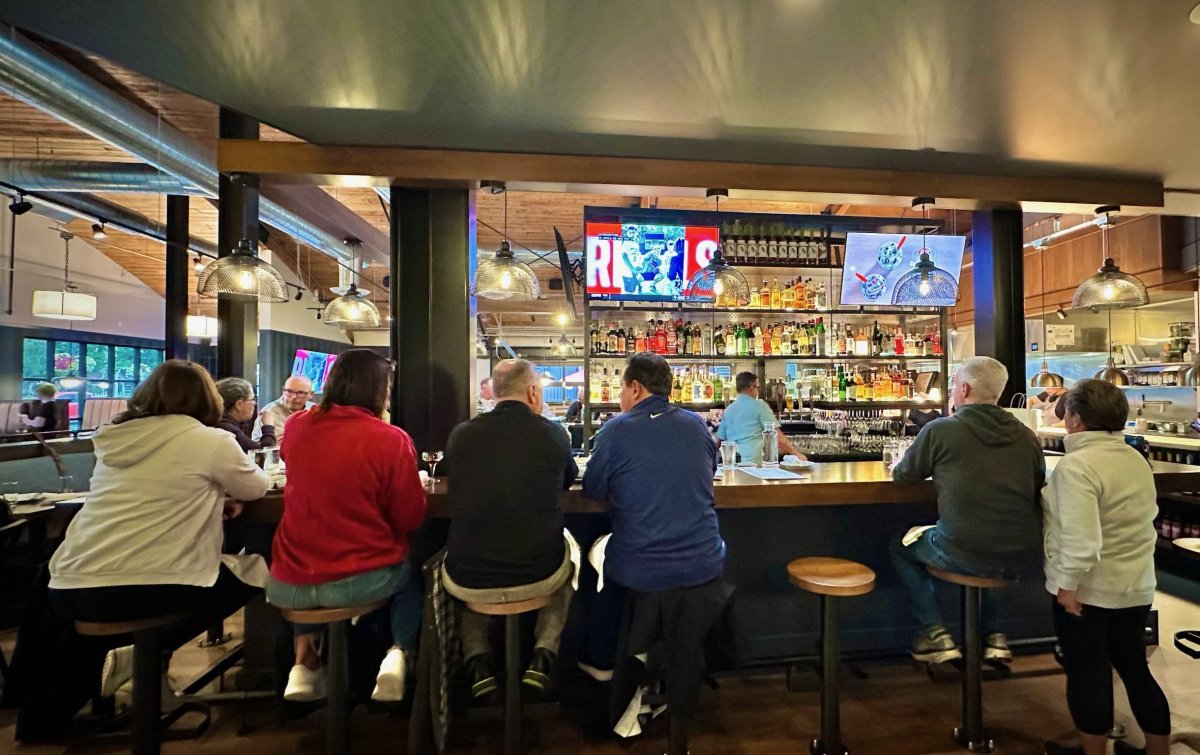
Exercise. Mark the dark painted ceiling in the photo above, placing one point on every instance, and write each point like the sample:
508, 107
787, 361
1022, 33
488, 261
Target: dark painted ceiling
1046, 86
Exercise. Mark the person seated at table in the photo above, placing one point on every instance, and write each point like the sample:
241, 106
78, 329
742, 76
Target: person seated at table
148, 542
506, 529
744, 421
988, 471
1045, 403
353, 496
486, 401
238, 399
268, 427
1100, 507
40, 414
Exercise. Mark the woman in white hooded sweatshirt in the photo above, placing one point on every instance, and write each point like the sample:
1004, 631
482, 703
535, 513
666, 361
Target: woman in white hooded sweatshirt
148, 541
1100, 506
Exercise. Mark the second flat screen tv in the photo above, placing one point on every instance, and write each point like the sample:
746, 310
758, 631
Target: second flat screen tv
643, 261
878, 263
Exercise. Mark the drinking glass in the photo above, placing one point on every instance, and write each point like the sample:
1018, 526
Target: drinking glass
66, 484
729, 451
431, 458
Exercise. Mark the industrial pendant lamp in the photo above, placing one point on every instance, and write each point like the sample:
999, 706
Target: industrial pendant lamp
352, 310
926, 280
504, 277
1045, 378
1109, 288
564, 347
1112, 373
242, 273
718, 282
67, 304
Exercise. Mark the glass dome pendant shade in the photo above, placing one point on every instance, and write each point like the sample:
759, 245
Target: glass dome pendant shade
504, 277
718, 283
924, 282
242, 273
352, 311
1110, 288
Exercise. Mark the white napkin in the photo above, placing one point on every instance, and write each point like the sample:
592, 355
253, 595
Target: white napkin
596, 559
249, 569
576, 557
914, 534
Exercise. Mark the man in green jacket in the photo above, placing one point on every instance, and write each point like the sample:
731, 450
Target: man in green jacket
988, 470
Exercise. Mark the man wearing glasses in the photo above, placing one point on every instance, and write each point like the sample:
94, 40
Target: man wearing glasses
268, 428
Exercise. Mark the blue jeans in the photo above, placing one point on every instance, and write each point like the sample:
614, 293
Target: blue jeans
910, 562
396, 582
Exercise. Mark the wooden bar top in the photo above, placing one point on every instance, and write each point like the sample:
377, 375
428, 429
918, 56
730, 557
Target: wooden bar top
834, 483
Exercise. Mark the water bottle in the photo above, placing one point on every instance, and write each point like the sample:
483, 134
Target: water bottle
770, 446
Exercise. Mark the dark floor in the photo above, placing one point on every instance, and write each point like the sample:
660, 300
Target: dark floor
897, 711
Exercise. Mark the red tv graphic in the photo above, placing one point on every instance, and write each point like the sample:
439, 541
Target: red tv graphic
607, 268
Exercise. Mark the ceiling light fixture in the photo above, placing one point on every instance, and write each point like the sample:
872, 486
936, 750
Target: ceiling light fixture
70, 381
242, 273
1194, 16
718, 282
201, 326
67, 304
1045, 378
1109, 288
20, 206
197, 265
98, 231
504, 277
565, 346
926, 280
1061, 313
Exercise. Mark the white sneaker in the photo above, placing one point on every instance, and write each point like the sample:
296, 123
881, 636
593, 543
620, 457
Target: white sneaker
118, 669
168, 699
389, 684
305, 685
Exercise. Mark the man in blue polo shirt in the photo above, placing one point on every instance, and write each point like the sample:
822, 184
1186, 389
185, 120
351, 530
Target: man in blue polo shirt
747, 417
653, 465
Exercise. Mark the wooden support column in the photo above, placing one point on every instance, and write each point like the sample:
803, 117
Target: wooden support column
1000, 293
432, 336
177, 277
237, 207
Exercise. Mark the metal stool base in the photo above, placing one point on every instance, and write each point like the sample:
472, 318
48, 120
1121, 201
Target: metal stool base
983, 745
816, 747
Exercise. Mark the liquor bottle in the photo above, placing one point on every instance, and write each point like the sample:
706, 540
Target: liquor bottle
631, 341
937, 342
876, 339
927, 344
709, 388
639, 341
728, 245
605, 390
621, 340
898, 340
718, 340
718, 386
777, 346
841, 343
776, 295
755, 301
683, 339
851, 388
594, 390
697, 388
706, 340
884, 391
772, 245
861, 349
759, 344
669, 332
753, 253
768, 341
793, 247
741, 248
822, 349
867, 390
741, 341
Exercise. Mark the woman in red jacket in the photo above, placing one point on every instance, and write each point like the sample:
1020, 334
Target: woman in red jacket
351, 500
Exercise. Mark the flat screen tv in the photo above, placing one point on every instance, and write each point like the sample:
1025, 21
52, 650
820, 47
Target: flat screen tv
643, 261
878, 264
315, 366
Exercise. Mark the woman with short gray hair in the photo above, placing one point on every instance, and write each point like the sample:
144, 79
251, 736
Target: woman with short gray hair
1099, 510
238, 417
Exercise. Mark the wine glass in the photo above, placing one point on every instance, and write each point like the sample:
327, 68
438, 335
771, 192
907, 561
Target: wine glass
431, 458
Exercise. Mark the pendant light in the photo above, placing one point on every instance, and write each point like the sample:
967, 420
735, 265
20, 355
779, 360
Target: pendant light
565, 347
202, 327
1109, 288
352, 309
1112, 373
1045, 378
926, 280
718, 282
242, 273
67, 304
504, 277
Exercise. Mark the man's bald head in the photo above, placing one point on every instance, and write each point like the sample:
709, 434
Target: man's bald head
297, 390
511, 380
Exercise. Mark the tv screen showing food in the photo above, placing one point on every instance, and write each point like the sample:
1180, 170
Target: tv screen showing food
887, 269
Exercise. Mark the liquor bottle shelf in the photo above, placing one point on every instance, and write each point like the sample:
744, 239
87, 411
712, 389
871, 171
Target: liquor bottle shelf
868, 405
607, 311
775, 357
690, 406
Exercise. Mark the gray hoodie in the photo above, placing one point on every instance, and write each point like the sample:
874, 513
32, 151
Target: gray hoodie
989, 470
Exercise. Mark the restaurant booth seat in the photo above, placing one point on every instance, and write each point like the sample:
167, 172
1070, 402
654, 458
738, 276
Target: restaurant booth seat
832, 579
970, 734
337, 723
513, 736
148, 724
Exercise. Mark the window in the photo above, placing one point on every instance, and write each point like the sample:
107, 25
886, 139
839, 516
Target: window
35, 358
66, 358
104, 371
148, 360
98, 361
568, 391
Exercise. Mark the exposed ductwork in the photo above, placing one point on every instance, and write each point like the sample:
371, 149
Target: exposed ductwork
88, 207
42, 80
90, 177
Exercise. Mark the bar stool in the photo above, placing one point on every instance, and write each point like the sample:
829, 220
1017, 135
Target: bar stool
146, 732
970, 735
512, 662
337, 724
830, 578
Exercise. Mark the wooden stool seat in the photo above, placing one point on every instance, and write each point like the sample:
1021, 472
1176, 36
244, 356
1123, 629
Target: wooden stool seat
835, 577
110, 628
969, 580
331, 615
510, 609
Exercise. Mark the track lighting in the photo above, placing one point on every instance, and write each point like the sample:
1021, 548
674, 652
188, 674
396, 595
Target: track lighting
1060, 313
299, 293
198, 264
20, 206
98, 231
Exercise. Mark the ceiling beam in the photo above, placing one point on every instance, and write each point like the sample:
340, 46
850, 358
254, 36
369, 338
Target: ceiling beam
302, 162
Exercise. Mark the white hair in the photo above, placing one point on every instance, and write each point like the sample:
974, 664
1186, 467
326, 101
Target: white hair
986, 376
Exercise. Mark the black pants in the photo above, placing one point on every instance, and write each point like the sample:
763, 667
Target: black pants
1094, 644
201, 607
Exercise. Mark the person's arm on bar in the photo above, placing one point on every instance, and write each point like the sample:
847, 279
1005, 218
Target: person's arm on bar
404, 497
918, 461
233, 470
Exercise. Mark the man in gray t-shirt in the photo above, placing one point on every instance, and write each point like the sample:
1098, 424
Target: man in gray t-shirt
268, 428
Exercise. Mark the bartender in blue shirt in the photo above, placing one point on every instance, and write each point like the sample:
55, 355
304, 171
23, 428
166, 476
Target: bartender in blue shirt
746, 418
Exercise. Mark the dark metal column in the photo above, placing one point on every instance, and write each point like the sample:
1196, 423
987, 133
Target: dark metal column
237, 206
433, 244
996, 238
177, 277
